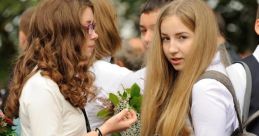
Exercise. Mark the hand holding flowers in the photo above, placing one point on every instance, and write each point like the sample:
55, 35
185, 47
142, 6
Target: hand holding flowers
130, 98
123, 121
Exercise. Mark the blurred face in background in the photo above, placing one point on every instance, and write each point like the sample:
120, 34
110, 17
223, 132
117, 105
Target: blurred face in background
146, 25
88, 24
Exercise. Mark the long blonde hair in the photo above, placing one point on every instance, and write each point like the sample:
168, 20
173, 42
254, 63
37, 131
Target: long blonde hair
109, 40
167, 92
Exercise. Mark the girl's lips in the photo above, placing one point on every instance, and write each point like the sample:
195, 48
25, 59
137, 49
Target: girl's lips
176, 61
91, 46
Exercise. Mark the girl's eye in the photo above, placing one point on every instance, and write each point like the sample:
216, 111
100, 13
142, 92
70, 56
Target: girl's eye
182, 37
143, 31
163, 39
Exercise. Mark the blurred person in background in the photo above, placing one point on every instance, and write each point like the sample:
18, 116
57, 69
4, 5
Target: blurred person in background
107, 75
222, 40
24, 24
148, 18
131, 55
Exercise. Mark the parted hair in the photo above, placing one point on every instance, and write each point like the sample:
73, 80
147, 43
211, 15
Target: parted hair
109, 40
55, 43
167, 94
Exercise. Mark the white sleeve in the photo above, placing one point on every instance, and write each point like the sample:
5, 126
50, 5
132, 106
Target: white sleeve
108, 76
211, 109
45, 114
137, 77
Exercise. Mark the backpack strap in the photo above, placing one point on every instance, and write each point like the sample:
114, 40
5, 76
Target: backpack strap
248, 91
247, 120
251, 118
212, 74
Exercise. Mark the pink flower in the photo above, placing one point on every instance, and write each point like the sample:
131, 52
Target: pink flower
9, 121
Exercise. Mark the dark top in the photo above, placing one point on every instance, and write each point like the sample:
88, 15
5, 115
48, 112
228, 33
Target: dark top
254, 103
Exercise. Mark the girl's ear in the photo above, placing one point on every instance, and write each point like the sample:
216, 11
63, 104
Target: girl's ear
22, 40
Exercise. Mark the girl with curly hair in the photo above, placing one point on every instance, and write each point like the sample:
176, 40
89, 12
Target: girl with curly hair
51, 82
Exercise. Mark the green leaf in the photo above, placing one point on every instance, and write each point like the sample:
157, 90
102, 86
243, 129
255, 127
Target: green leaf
104, 113
136, 103
128, 90
114, 99
135, 90
124, 96
119, 94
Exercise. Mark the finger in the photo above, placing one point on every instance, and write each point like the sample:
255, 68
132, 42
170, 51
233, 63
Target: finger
131, 119
122, 114
132, 114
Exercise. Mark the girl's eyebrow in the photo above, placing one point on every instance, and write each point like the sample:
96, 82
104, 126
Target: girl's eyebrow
163, 34
180, 33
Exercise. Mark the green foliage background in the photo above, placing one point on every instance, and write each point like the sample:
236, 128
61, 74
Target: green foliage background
9, 17
243, 36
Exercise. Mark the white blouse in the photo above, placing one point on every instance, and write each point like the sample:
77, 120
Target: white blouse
212, 108
137, 77
107, 78
44, 111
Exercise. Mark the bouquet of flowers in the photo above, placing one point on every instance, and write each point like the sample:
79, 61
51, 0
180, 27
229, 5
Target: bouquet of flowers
129, 98
6, 126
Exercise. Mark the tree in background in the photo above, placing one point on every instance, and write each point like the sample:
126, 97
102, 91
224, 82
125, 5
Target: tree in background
9, 20
240, 17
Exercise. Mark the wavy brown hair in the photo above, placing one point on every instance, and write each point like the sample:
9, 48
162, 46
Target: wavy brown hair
55, 43
109, 40
167, 94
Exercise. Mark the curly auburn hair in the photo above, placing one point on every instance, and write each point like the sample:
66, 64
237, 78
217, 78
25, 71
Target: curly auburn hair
55, 43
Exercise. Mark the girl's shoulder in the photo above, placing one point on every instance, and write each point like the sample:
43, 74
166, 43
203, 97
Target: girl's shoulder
211, 89
38, 86
39, 81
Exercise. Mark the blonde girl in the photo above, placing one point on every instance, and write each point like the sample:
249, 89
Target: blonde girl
184, 47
